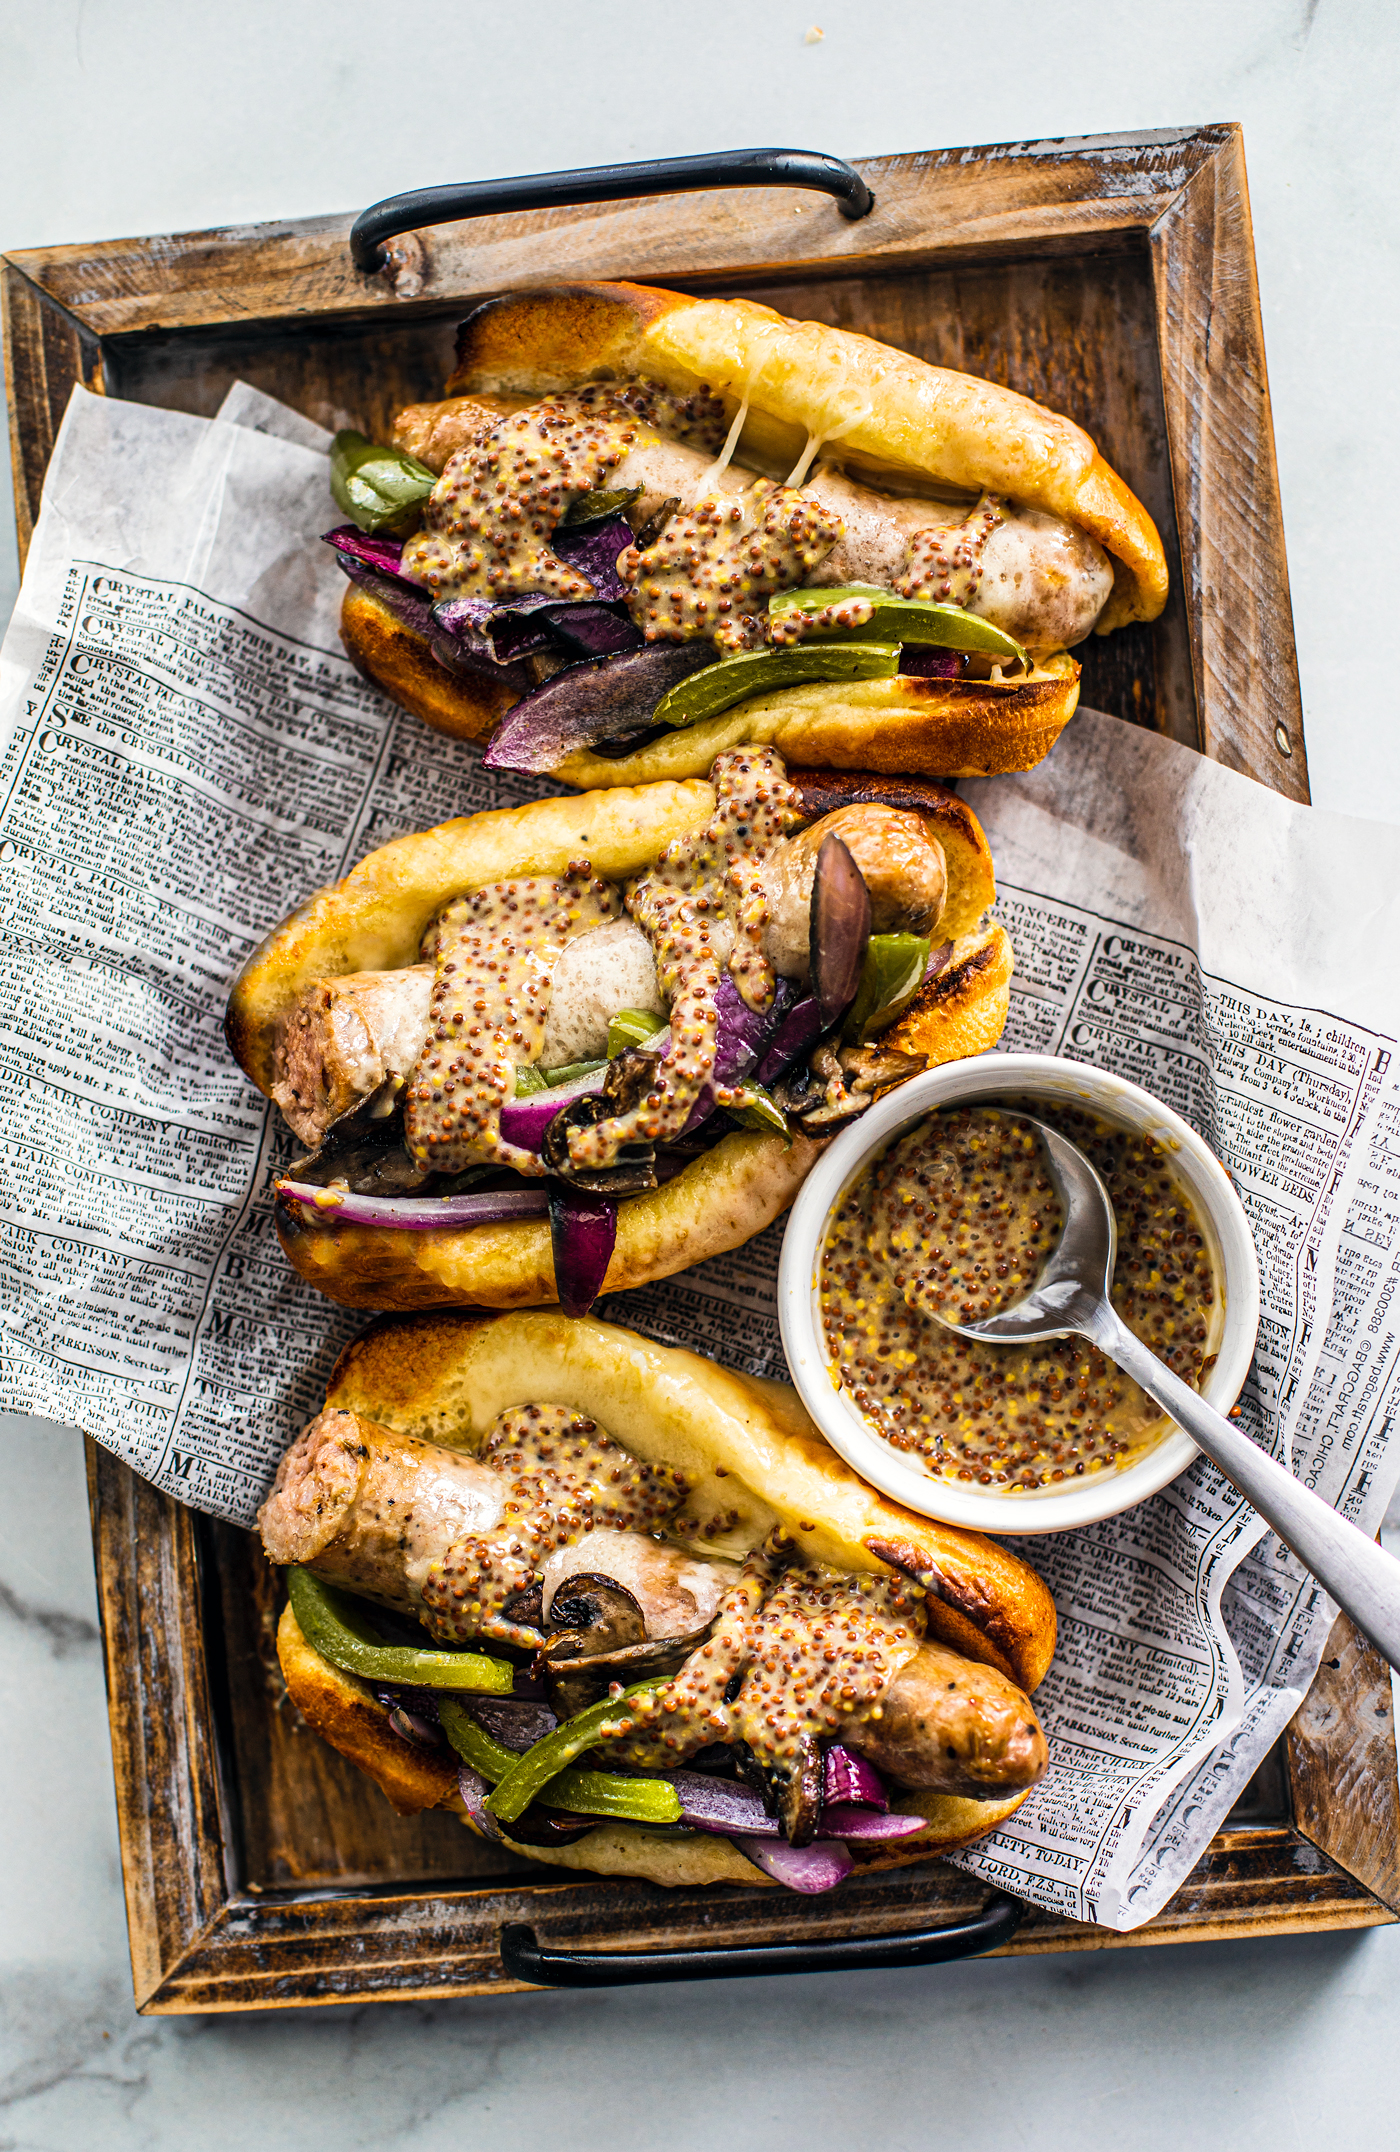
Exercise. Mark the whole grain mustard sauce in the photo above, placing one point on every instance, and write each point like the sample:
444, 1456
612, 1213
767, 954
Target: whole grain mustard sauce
958, 1217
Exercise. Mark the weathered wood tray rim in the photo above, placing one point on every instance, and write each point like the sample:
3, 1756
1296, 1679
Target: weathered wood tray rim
200, 1939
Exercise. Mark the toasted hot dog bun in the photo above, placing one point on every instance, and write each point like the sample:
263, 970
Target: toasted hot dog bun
752, 1459
915, 426
804, 380
374, 920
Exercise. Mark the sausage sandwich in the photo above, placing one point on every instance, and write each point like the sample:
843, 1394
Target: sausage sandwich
569, 1047
642, 528
627, 1612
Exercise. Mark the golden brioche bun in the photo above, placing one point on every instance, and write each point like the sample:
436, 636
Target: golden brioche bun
803, 379
446, 1377
374, 920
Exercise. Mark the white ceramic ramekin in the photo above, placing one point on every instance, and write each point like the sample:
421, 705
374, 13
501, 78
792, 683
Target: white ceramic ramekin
989, 1077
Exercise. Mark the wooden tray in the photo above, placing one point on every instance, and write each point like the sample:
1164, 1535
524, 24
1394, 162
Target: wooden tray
1114, 279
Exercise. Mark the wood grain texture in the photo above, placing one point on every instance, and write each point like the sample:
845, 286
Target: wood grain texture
173, 1815
1341, 1764
1114, 280
1220, 426
46, 352
1003, 199
271, 1952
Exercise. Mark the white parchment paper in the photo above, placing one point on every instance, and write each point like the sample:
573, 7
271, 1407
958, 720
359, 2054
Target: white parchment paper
185, 753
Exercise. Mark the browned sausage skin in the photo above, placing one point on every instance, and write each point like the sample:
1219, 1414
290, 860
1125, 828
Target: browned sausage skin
435, 1533
344, 1036
948, 1726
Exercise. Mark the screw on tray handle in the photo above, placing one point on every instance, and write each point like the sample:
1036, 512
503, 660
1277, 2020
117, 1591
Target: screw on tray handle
525, 1959
607, 183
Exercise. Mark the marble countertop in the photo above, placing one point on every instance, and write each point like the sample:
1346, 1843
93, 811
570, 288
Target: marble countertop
156, 116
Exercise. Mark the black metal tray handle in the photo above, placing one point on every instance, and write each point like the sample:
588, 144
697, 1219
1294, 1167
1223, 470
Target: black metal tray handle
606, 183
525, 1959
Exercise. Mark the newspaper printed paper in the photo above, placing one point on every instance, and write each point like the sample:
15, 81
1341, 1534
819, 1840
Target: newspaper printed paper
185, 753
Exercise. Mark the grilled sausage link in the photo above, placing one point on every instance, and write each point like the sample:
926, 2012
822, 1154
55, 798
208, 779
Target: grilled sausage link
1042, 579
343, 1037
946, 1725
374, 1511
903, 866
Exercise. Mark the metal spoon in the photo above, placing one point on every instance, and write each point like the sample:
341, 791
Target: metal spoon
1071, 1298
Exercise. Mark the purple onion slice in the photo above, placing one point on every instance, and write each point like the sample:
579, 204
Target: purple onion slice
594, 631
799, 1029
850, 1779
416, 1214
474, 1789
805, 1868
473, 616
863, 1823
582, 1229
409, 604
515, 1721
588, 702
923, 662
384, 554
840, 929
497, 629
592, 549
721, 1804
742, 1037
404, 599
524, 1120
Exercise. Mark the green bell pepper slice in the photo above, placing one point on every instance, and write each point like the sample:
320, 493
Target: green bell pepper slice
586, 1793
528, 1079
610, 1793
601, 502
756, 1108
892, 975
473, 1744
542, 1764
381, 489
632, 1027
568, 1071
332, 1624
881, 617
717, 688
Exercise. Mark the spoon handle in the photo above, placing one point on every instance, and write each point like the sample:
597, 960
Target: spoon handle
1364, 1581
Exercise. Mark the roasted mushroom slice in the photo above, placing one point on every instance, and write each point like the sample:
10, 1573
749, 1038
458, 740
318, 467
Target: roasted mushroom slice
526, 1609
629, 1078
364, 1148
870, 1069
577, 1678
597, 1616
